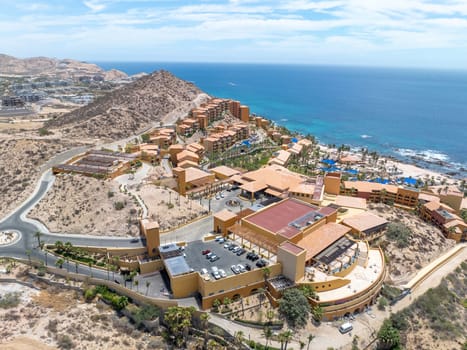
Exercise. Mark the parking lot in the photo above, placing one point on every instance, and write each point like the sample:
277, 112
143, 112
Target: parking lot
197, 261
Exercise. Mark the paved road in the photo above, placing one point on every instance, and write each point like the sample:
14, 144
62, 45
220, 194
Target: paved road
28, 227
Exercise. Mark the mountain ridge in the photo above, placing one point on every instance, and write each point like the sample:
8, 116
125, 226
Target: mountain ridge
131, 108
53, 67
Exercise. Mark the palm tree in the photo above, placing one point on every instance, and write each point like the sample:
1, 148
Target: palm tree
59, 246
148, 283
287, 337
59, 263
310, 339
137, 284
205, 323
261, 296
267, 333
28, 253
38, 235
239, 337
302, 345
266, 273
76, 266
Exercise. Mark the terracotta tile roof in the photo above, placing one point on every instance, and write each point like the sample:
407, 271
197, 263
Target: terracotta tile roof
225, 215
278, 217
365, 186
193, 174
364, 221
292, 248
321, 238
432, 205
351, 202
225, 170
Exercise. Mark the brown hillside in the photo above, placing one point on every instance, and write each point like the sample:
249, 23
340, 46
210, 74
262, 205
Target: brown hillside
130, 109
45, 66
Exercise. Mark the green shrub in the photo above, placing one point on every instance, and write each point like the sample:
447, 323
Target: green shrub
64, 342
399, 233
10, 300
119, 205
382, 303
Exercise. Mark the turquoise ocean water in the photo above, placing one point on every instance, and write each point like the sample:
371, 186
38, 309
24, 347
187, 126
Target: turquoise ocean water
414, 115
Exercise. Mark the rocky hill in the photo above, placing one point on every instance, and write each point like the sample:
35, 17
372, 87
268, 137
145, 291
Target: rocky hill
52, 67
130, 109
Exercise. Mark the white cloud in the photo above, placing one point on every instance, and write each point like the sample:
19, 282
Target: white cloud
94, 5
295, 30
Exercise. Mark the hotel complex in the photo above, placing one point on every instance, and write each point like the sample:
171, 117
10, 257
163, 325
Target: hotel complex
285, 230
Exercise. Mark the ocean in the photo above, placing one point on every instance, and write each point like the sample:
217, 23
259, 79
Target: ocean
418, 116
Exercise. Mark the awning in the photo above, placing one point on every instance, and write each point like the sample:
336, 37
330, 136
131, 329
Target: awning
273, 192
254, 186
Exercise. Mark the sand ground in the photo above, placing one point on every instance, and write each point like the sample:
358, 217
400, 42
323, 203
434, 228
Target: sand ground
427, 243
85, 205
52, 318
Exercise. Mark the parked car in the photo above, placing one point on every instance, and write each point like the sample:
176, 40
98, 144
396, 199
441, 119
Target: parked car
207, 251
248, 267
222, 195
208, 255
218, 197
214, 258
241, 251
241, 268
134, 240
218, 238
232, 247
227, 245
235, 269
204, 271
222, 240
216, 275
236, 249
222, 273
261, 263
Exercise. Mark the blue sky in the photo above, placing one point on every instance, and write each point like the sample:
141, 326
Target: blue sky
411, 33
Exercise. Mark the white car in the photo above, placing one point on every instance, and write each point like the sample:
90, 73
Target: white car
222, 273
204, 271
241, 268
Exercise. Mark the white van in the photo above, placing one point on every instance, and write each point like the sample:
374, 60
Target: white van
345, 328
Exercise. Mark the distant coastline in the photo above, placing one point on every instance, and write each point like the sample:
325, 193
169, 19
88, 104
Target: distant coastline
415, 116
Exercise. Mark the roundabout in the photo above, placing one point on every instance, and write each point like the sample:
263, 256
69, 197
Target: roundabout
232, 203
9, 237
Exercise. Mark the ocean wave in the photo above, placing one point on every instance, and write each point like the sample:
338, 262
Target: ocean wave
364, 136
284, 120
426, 155
232, 84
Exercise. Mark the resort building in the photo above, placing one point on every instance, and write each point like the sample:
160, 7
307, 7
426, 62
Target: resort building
98, 163
215, 109
223, 172
191, 178
312, 249
366, 226
149, 153
281, 158
444, 217
162, 137
406, 198
223, 139
275, 181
